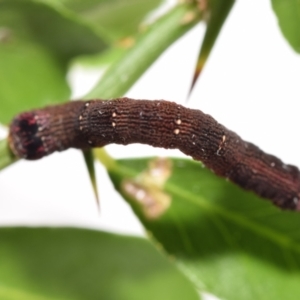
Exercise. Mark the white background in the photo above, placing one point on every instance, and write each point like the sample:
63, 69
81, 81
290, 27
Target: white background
250, 84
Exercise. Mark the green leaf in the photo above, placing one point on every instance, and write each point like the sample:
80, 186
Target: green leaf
288, 15
53, 26
29, 77
148, 47
66, 263
36, 43
228, 241
118, 18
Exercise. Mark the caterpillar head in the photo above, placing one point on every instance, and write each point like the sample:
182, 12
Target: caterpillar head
24, 139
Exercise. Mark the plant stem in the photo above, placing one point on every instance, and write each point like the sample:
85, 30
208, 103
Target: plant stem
108, 161
6, 156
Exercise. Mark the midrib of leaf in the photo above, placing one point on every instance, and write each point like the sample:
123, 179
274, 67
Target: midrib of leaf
182, 233
237, 218
199, 201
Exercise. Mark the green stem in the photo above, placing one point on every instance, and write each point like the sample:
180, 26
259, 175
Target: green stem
6, 156
108, 161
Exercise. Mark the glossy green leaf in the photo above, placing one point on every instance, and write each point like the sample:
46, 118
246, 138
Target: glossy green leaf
228, 241
66, 263
288, 15
148, 47
30, 77
53, 26
36, 43
118, 18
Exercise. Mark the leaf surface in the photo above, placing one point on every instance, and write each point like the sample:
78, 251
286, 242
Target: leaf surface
288, 15
66, 263
37, 42
229, 242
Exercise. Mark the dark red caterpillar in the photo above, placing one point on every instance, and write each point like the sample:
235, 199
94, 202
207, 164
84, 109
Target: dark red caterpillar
96, 123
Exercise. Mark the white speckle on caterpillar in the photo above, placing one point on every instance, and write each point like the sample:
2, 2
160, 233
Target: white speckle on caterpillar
272, 164
90, 142
178, 122
114, 114
100, 112
221, 144
80, 128
176, 131
87, 104
80, 118
113, 124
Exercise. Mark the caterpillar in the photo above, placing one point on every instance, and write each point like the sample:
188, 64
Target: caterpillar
159, 123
